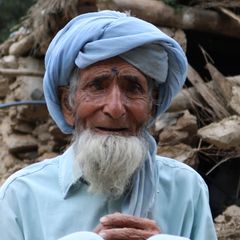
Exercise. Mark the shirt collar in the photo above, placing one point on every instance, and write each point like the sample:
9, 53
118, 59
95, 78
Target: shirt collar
68, 183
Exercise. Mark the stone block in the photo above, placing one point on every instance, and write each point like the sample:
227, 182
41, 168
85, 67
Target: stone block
224, 134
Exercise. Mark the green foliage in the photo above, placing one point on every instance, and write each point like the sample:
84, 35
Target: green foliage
10, 13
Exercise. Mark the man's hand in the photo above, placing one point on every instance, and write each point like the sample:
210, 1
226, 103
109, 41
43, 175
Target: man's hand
119, 226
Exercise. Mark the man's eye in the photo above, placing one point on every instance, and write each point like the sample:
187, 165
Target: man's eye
135, 88
96, 85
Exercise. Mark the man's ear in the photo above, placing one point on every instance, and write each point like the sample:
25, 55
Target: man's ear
63, 93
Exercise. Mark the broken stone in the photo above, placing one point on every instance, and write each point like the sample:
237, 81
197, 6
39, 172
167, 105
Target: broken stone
228, 224
9, 61
166, 119
234, 79
21, 127
25, 87
181, 152
4, 87
232, 212
3, 168
42, 134
235, 100
177, 128
31, 63
45, 149
220, 219
20, 143
22, 47
58, 135
60, 140
29, 155
32, 113
224, 134
171, 136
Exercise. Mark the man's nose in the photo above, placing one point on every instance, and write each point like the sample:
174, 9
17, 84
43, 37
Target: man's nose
114, 105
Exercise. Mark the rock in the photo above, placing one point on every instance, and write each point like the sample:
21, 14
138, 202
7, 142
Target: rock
60, 140
26, 86
180, 152
4, 87
32, 113
224, 134
228, 224
2, 165
180, 127
20, 143
235, 100
31, 63
7, 161
29, 88
9, 61
17, 143
232, 212
234, 79
166, 119
22, 47
21, 127
220, 219
42, 134
171, 136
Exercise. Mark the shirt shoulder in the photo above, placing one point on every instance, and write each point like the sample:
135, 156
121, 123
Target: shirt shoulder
29, 172
180, 172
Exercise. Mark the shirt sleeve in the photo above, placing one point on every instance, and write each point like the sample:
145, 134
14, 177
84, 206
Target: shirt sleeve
203, 226
9, 221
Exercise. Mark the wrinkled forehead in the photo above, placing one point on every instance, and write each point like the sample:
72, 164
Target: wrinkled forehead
113, 66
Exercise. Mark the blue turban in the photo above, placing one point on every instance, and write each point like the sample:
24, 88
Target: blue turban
92, 37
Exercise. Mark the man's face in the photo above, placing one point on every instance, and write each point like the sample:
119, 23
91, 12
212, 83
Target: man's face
112, 98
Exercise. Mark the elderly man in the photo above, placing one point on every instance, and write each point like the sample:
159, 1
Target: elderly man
108, 76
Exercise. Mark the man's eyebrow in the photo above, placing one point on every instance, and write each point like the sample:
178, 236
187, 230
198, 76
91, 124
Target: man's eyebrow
101, 77
130, 77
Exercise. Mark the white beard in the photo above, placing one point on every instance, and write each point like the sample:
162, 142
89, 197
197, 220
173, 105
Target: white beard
108, 162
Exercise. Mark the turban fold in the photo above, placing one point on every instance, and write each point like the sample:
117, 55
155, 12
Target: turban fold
92, 37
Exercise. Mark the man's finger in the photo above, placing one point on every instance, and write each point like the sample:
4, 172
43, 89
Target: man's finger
126, 233
118, 220
100, 227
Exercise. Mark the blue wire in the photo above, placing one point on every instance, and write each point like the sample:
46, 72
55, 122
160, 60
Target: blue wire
25, 102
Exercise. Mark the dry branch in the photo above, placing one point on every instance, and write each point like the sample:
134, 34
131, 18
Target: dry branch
46, 18
223, 86
20, 72
207, 94
161, 14
230, 14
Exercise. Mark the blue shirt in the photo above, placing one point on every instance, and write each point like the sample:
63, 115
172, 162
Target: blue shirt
43, 202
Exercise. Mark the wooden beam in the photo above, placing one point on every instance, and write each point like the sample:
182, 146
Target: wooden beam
186, 18
20, 72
